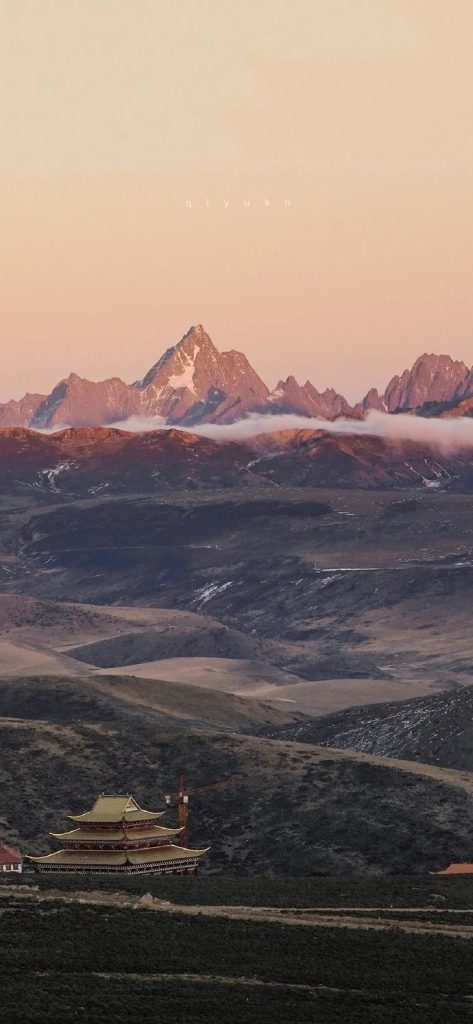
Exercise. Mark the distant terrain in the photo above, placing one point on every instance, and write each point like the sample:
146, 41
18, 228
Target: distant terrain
326, 599
106, 462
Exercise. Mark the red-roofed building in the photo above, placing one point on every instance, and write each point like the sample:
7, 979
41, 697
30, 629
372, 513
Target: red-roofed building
455, 869
10, 859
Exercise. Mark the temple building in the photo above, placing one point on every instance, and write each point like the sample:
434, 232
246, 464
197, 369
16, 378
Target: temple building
118, 837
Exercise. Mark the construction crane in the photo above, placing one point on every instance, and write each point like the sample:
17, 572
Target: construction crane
181, 798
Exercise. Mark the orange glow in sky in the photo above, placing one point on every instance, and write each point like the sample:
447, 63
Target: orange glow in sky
296, 176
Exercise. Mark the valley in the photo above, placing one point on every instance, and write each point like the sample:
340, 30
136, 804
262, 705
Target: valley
147, 633
323, 599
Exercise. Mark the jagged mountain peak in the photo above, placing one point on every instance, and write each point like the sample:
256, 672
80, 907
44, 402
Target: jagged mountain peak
194, 381
373, 400
438, 359
198, 331
432, 378
196, 339
180, 356
289, 396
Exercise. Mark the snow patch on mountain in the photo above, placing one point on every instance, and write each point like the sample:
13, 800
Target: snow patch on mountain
49, 477
185, 379
206, 594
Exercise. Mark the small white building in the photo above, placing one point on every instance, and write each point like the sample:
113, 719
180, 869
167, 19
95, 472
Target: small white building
10, 859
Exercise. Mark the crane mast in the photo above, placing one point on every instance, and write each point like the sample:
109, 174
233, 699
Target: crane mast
181, 799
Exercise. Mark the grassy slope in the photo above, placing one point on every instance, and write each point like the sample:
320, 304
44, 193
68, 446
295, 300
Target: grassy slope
292, 809
101, 697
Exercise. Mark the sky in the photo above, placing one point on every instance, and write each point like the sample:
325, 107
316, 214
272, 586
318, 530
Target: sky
297, 176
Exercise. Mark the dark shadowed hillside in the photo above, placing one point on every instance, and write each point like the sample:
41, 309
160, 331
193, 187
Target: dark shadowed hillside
436, 729
290, 809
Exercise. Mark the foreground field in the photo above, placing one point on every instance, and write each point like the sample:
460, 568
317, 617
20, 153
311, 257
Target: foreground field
453, 892
90, 961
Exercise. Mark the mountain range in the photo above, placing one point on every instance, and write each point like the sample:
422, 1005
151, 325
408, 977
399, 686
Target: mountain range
193, 382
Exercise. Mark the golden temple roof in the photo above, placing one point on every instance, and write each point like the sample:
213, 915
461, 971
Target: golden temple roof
118, 858
117, 835
147, 856
112, 857
116, 808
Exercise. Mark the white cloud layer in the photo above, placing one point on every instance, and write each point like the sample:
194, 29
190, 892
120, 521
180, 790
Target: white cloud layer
444, 434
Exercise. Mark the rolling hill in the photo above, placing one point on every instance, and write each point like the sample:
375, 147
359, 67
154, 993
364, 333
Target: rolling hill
331, 598
437, 729
291, 808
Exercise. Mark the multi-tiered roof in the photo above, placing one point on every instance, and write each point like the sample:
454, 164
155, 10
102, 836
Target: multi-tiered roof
118, 836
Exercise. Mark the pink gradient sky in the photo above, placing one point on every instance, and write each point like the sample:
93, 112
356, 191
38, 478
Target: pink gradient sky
115, 114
